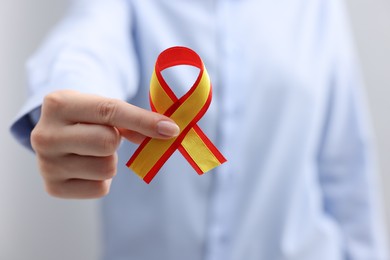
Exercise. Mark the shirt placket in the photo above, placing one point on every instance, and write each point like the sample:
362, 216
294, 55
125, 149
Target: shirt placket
224, 192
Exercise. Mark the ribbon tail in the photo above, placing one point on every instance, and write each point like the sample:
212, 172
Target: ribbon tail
200, 152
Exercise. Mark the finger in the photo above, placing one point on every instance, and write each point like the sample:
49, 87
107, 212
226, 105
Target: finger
132, 136
81, 139
78, 167
78, 189
78, 107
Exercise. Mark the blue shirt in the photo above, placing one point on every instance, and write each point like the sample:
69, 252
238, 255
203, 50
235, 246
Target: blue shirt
287, 113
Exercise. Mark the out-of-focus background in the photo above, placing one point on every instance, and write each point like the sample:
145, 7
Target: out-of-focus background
35, 226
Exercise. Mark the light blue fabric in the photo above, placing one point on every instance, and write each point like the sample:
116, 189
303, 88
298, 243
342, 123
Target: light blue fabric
287, 112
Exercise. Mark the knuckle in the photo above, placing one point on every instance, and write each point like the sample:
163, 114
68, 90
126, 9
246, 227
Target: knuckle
145, 124
41, 139
110, 142
138, 122
106, 111
36, 138
54, 190
109, 168
102, 188
46, 170
50, 171
53, 101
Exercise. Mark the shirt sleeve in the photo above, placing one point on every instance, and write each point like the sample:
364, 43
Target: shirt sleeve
91, 50
346, 159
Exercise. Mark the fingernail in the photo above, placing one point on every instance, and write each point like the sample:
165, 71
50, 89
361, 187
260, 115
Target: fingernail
168, 128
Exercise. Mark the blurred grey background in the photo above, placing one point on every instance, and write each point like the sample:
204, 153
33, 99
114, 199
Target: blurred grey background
35, 226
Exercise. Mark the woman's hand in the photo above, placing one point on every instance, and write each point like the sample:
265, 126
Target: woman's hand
77, 137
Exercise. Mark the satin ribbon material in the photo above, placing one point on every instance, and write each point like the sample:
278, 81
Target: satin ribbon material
186, 112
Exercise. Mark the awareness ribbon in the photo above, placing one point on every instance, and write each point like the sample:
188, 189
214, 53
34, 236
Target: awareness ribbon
186, 112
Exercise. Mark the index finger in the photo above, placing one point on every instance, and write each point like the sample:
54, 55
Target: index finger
76, 107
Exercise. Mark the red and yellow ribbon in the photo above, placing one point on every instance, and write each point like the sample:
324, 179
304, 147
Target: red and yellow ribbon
186, 112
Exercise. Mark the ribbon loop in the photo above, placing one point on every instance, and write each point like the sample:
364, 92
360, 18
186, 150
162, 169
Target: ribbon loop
186, 112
